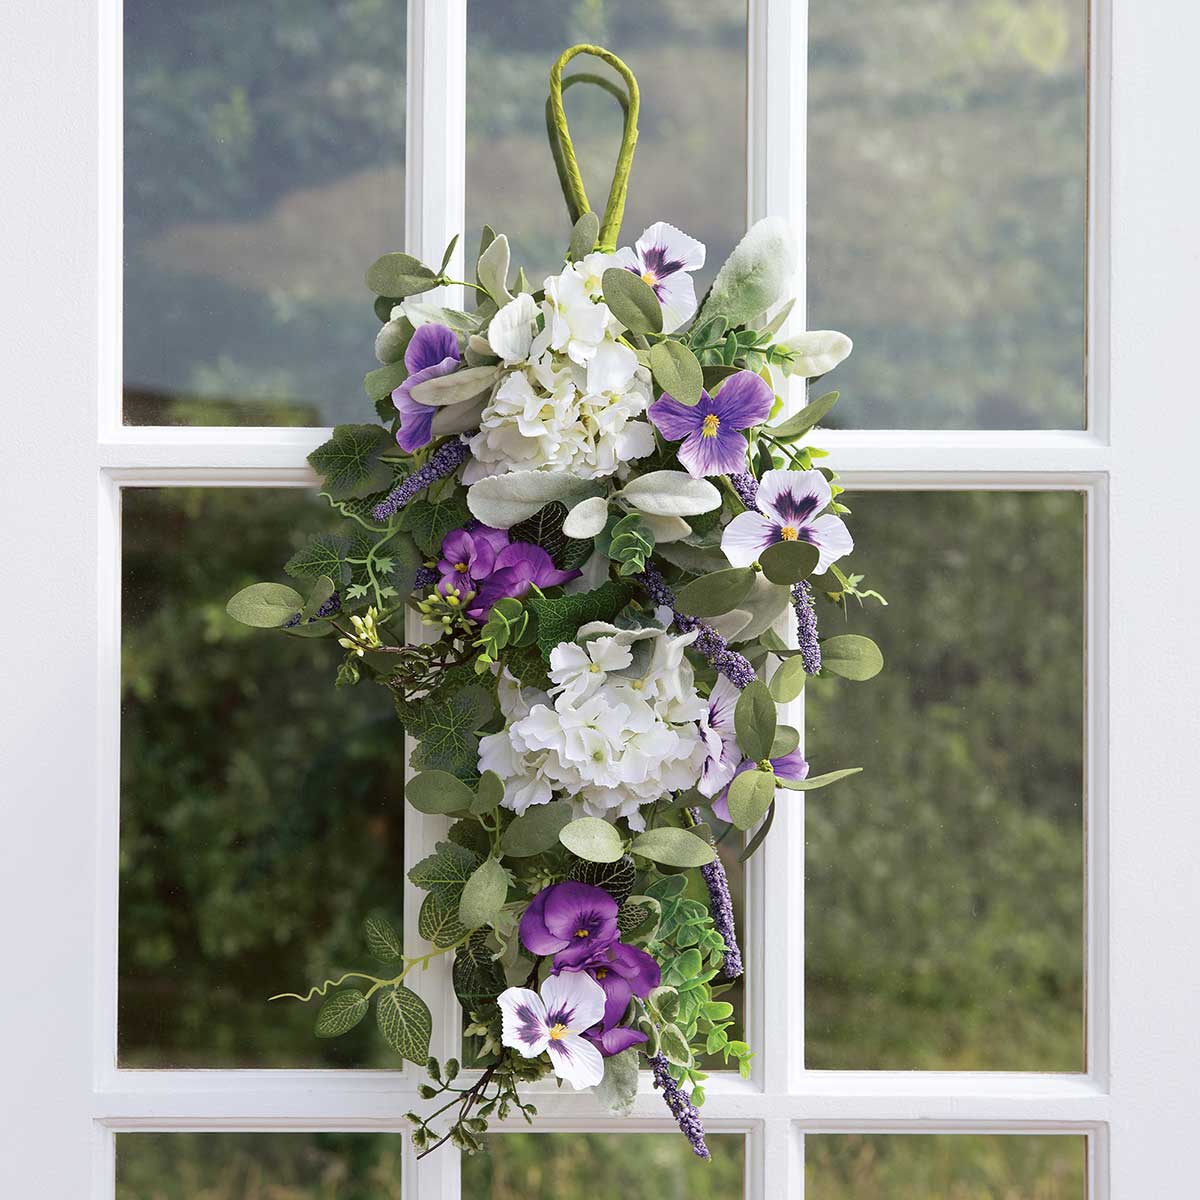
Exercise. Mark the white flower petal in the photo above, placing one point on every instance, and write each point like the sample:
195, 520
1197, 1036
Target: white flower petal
746, 537
610, 367
577, 1061
524, 1025
830, 535
677, 246
677, 296
793, 497
511, 331
574, 999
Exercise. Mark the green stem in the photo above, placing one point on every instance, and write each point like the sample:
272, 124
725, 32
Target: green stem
563, 149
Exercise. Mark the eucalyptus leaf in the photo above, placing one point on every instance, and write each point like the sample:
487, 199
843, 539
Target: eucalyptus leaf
456, 388
501, 501
788, 681
673, 847
717, 593
265, 605
677, 371
666, 529
488, 794
671, 494
438, 792
484, 894
750, 795
789, 562
797, 426
851, 656
536, 829
766, 603
817, 781
786, 740
400, 275
592, 839
631, 301
584, 236
754, 721
716, 374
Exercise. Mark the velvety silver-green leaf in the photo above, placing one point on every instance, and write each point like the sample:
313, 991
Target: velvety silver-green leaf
456, 388
788, 681
789, 562
438, 792
341, 1012
484, 895
750, 795
492, 269
816, 352
712, 595
584, 236
671, 494
502, 500
587, 518
851, 656
757, 275
265, 605
631, 301
391, 342
488, 794
383, 942
817, 781
754, 721
399, 275
617, 1090
673, 847
677, 371
592, 839
795, 427
405, 1022
536, 829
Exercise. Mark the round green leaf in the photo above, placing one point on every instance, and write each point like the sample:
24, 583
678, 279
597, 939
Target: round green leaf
265, 605
631, 301
484, 894
716, 593
593, 839
789, 562
488, 794
786, 740
341, 1012
399, 275
438, 792
788, 681
851, 656
754, 721
536, 829
750, 795
674, 847
677, 371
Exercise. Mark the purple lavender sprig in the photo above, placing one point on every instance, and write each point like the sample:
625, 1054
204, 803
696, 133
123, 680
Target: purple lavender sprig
426, 578
686, 1115
746, 487
720, 905
806, 626
328, 609
445, 460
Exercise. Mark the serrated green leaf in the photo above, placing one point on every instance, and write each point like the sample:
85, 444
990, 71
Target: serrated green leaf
265, 605
476, 976
560, 618
851, 656
789, 562
673, 847
438, 792
405, 1021
484, 894
324, 554
341, 1012
677, 371
438, 921
349, 461
383, 942
632, 301
446, 871
447, 731
754, 721
430, 520
593, 839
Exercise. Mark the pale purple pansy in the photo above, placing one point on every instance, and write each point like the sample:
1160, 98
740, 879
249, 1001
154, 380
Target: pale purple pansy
571, 921
662, 258
709, 432
720, 740
554, 1022
789, 502
432, 351
787, 766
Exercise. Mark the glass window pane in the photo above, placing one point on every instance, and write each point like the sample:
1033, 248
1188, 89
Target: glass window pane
264, 170
945, 893
633, 1166
947, 188
258, 1166
948, 1166
690, 163
261, 808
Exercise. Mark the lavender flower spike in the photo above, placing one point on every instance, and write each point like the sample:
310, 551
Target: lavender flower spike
720, 904
806, 626
746, 487
686, 1115
445, 460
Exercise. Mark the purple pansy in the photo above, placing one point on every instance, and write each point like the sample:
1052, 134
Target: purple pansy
789, 502
662, 257
788, 766
432, 351
555, 1021
622, 971
571, 921
469, 556
613, 1041
516, 569
709, 432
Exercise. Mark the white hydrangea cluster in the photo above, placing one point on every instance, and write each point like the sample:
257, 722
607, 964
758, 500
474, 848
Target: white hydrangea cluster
622, 726
572, 394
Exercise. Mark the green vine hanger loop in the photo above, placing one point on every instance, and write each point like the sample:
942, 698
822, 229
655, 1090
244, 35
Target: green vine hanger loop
563, 148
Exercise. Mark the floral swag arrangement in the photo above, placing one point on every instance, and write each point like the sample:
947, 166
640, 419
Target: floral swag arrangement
579, 489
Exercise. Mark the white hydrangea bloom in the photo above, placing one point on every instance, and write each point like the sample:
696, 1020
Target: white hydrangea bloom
620, 728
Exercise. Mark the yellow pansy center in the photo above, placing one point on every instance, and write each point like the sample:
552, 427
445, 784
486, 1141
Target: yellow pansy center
558, 1032
582, 933
461, 568
648, 278
710, 425
789, 533
601, 972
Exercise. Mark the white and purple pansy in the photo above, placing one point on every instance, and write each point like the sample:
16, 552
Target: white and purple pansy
555, 1021
432, 351
720, 739
709, 433
789, 503
662, 258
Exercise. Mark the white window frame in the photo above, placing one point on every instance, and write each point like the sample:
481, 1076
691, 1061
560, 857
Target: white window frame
63, 1099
